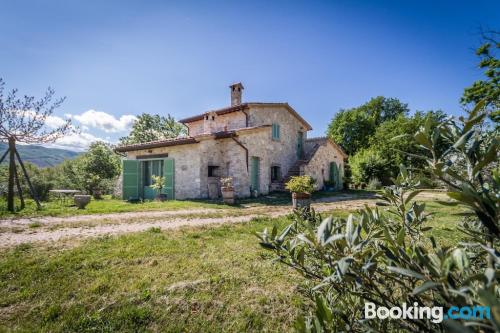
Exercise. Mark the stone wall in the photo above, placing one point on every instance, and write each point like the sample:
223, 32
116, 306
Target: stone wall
229, 121
319, 165
187, 167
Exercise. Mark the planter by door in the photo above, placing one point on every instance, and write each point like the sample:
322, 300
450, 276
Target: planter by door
228, 195
301, 200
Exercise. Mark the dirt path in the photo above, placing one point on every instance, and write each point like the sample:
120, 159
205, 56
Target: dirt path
53, 229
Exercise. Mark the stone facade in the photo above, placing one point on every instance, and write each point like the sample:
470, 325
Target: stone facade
318, 166
225, 141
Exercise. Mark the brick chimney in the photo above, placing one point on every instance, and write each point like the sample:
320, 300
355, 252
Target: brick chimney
236, 91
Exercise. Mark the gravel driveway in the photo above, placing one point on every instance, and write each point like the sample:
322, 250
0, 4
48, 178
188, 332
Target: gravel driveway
55, 229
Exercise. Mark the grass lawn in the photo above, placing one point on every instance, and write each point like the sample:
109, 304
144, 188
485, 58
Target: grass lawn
109, 205
205, 279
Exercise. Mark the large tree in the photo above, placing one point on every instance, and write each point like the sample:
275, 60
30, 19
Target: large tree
351, 128
488, 88
149, 128
23, 119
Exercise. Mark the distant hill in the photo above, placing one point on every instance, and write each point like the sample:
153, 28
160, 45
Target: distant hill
41, 156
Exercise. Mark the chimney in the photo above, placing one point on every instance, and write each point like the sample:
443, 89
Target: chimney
236, 91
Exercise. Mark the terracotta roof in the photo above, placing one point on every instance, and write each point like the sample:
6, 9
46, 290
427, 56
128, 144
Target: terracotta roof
156, 144
245, 106
326, 139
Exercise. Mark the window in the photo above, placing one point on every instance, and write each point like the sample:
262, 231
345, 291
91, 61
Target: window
276, 131
275, 173
213, 171
152, 168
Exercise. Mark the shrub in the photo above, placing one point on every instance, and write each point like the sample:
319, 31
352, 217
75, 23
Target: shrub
367, 164
301, 184
384, 257
374, 184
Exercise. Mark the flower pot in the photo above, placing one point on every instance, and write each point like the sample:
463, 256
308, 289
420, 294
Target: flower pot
81, 201
97, 194
301, 200
161, 197
228, 195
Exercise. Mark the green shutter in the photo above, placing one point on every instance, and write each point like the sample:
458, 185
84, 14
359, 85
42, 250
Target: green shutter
334, 174
169, 175
276, 131
131, 183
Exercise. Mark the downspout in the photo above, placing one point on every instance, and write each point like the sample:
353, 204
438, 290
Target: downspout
242, 146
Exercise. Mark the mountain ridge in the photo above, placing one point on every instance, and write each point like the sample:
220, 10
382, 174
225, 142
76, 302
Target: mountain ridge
39, 155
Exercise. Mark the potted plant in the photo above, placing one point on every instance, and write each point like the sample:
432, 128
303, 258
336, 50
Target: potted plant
81, 200
301, 188
158, 185
227, 190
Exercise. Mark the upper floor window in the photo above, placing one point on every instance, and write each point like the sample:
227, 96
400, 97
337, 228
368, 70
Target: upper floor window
276, 131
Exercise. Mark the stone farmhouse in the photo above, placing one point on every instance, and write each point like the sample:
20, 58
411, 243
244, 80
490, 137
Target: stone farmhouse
259, 145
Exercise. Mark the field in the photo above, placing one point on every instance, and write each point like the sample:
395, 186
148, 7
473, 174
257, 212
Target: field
214, 278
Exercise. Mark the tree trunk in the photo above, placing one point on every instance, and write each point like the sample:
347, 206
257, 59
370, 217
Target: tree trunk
12, 171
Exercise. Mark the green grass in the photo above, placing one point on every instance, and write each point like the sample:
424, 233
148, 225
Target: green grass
104, 206
216, 279
205, 279
108, 205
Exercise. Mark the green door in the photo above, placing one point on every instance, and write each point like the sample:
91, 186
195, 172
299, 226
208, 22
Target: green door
300, 145
254, 174
131, 179
334, 174
169, 175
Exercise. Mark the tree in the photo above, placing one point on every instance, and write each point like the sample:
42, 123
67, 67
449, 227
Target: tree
394, 141
149, 128
352, 128
488, 89
98, 165
368, 164
23, 119
385, 258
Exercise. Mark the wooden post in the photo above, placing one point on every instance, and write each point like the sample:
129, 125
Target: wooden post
19, 190
32, 191
12, 170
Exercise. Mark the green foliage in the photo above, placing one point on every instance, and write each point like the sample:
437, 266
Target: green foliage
158, 183
374, 184
352, 127
301, 184
99, 166
487, 89
385, 257
367, 164
149, 128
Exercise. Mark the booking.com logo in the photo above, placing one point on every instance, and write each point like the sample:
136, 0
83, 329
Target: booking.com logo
435, 313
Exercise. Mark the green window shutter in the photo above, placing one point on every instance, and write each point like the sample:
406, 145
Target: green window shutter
130, 181
334, 174
276, 131
169, 174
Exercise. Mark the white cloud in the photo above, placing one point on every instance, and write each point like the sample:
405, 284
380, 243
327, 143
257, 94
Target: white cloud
76, 141
54, 121
104, 121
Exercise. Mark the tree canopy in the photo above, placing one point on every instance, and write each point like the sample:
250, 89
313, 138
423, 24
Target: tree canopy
351, 128
149, 128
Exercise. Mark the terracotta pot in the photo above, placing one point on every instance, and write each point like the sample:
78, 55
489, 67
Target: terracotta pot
161, 197
301, 200
228, 195
81, 201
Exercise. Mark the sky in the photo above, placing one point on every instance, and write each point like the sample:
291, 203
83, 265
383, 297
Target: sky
114, 60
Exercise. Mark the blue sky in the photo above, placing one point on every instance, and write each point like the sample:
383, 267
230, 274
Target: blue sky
116, 59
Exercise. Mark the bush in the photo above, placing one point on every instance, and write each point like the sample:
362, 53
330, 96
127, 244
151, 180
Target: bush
301, 184
386, 259
367, 164
374, 184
